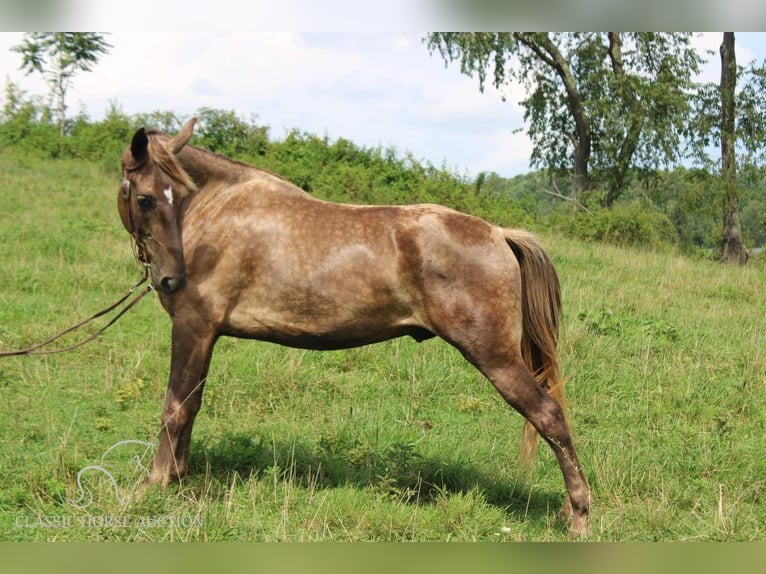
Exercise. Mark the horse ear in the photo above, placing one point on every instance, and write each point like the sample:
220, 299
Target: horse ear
139, 146
182, 138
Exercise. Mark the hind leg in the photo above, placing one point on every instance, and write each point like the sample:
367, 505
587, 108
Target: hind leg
503, 365
475, 303
523, 393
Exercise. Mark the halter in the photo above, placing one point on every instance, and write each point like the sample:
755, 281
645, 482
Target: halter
139, 248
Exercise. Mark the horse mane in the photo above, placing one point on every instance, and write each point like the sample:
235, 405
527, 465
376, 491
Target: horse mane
167, 161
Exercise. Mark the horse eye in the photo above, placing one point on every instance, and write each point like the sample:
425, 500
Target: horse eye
146, 202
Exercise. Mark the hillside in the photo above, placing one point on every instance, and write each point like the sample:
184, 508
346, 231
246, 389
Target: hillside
664, 357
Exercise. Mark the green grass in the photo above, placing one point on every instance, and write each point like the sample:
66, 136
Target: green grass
664, 357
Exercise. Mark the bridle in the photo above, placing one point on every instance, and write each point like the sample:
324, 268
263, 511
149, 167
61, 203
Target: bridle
139, 248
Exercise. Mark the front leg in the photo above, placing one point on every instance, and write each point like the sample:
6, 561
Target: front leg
190, 360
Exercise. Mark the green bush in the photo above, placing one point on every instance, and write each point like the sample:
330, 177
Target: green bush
28, 127
638, 223
106, 139
224, 132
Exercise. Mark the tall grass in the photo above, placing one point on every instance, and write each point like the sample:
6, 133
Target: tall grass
398, 441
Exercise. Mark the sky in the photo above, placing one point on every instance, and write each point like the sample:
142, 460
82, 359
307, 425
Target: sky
375, 88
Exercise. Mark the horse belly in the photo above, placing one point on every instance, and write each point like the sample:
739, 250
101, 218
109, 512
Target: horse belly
344, 299
325, 326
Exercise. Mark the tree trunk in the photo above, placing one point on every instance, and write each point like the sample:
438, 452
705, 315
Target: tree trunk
60, 91
733, 246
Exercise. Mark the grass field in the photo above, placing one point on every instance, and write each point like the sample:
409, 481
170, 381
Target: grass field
664, 358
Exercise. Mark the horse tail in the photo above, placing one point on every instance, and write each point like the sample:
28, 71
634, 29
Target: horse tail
541, 312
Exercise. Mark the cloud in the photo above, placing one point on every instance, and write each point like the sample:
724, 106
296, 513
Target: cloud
374, 89
235, 70
403, 43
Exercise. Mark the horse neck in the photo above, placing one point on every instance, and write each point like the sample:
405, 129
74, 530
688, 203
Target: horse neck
211, 171
205, 167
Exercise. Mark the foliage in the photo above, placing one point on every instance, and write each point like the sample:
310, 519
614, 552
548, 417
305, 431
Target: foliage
225, 133
636, 224
26, 124
599, 104
340, 170
704, 133
104, 139
58, 56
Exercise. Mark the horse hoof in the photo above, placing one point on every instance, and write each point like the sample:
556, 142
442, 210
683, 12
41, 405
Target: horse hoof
580, 530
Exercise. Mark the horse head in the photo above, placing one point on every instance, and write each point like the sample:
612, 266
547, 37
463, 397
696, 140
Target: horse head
153, 188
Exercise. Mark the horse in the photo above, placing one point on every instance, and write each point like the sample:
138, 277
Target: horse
238, 251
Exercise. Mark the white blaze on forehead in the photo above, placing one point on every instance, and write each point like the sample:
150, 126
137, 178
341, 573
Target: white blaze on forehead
169, 194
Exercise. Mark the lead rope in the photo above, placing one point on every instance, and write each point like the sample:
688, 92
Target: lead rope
36, 349
140, 253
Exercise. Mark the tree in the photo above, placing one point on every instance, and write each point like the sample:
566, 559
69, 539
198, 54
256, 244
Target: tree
733, 247
58, 56
598, 104
735, 118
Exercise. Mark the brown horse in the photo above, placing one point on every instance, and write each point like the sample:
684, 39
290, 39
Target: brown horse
238, 251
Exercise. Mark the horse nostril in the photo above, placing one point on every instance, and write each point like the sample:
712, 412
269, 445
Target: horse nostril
171, 284
166, 285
